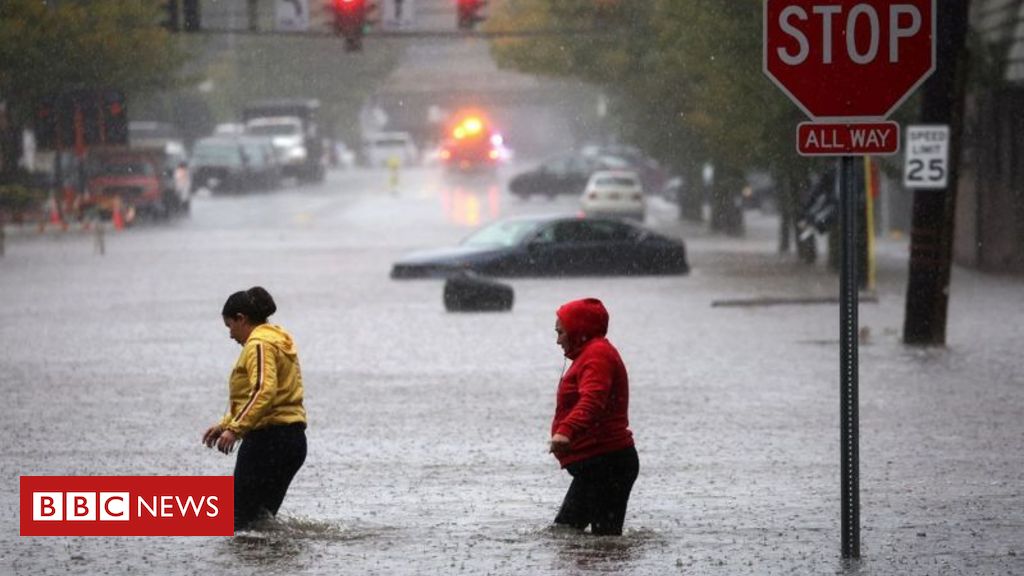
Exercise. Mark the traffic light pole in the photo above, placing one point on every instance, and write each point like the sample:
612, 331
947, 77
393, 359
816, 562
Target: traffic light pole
931, 234
849, 427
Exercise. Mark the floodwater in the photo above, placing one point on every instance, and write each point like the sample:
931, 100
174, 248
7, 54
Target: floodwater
427, 430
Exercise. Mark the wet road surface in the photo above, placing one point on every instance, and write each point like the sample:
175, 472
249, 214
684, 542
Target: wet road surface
428, 430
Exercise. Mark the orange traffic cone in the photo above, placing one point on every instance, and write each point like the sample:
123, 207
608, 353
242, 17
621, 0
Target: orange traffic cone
117, 216
55, 218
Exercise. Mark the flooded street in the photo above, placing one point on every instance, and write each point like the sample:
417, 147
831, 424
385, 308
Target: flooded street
427, 429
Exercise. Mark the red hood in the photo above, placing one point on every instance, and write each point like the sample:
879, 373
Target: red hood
583, 320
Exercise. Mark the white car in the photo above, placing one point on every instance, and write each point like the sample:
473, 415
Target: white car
385, 148
614, 193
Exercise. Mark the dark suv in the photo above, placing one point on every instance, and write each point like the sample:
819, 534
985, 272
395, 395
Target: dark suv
563, 174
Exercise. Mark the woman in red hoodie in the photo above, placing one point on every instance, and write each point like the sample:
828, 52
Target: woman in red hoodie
590, 433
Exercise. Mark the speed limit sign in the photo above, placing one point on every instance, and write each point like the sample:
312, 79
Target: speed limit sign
927, 157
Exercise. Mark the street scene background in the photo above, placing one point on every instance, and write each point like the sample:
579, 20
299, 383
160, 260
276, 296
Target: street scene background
428, 429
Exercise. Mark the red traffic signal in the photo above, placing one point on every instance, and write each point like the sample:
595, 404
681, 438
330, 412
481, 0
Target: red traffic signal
468, 12
350, 21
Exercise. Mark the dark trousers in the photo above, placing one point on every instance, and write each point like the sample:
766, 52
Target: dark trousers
599, 492
267, 461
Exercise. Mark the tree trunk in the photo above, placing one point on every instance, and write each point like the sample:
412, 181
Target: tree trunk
726, 211
11, 146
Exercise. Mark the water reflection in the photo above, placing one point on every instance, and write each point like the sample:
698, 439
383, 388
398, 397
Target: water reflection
471, 206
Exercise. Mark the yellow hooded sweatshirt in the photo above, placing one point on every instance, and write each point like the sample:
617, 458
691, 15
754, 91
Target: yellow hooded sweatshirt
266, 383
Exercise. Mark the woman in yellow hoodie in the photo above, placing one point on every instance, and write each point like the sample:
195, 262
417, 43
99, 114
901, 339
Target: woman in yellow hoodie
265, 409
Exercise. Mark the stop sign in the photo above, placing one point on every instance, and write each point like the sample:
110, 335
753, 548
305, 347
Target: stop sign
850, 60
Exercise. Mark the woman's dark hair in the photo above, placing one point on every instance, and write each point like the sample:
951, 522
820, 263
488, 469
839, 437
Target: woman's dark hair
256, 304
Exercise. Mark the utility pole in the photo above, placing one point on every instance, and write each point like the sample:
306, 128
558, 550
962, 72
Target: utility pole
931, 237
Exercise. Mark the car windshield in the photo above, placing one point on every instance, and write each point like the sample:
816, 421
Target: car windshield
273, 130
221, 153
504, 234
125, 169
616, 182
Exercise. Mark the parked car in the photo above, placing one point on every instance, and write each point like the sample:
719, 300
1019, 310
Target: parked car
236, 164
614, 193
297, 120
551, 246
652, 175
384, 147
264, 161
286, 136
123, 181
229, 129
562, 174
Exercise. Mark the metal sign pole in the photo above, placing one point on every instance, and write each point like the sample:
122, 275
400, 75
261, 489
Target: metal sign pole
848, 413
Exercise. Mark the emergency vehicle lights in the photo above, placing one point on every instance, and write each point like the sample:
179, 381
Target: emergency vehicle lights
469, 127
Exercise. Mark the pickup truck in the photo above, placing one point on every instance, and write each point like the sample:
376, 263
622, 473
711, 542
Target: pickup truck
150, 182
294, 124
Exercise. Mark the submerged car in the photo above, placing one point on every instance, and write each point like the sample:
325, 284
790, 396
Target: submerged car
552, 246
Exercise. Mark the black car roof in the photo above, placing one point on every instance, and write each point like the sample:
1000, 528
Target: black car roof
547, 218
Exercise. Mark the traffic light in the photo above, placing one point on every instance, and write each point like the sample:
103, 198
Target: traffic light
469, 13
171, 16
191, 15
46, 124
350, 22
115, 117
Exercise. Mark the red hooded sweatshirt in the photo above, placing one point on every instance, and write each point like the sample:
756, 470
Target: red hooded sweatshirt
593, 396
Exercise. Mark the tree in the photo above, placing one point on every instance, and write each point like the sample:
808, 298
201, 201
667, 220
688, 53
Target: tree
77, 45
685, 79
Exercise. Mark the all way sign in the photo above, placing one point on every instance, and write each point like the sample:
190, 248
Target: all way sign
824, 139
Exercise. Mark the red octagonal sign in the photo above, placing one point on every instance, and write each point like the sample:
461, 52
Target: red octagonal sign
849, 60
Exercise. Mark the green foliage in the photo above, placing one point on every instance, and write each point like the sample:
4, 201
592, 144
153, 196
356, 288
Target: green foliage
685, 77
18, 198
100, 43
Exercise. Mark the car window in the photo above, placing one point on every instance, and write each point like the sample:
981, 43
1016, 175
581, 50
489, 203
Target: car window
508, 233
592, 231
613, 163
615, 231
274, 130
216, 154
558, 165
616, 182
576, 231
582, 165
124, 169
546, 234
256, 154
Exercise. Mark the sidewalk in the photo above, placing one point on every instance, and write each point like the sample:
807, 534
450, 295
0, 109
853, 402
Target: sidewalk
942, 437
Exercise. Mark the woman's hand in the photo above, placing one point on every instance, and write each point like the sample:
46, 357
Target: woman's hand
559, 444
211, 435
226, 442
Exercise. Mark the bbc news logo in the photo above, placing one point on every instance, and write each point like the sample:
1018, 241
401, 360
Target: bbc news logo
127, 506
